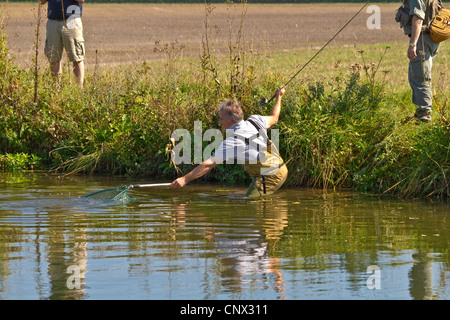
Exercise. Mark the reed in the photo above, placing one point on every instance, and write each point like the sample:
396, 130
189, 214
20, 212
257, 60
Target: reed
39, 16
341, 126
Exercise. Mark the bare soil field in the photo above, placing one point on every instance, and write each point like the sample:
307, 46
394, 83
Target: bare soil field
120, 33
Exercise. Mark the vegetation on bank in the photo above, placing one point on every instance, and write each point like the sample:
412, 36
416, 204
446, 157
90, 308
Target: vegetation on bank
218, 1
344, 131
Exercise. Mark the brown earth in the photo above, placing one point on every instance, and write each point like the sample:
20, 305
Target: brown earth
119, 33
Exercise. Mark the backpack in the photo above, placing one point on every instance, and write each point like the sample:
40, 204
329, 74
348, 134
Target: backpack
431, 9
440, 26
437, 19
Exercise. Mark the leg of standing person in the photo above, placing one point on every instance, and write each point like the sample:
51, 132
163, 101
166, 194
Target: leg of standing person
419, 76
74, 45
56, 71
54, 48
78, 70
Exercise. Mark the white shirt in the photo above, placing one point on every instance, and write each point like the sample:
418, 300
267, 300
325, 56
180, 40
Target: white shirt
243, 143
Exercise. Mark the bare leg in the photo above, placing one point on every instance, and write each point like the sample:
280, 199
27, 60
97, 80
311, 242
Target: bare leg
78, 70
55, 69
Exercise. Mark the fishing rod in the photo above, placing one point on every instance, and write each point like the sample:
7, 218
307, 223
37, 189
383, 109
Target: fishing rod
264, 101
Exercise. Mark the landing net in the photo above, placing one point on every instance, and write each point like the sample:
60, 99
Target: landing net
116, 194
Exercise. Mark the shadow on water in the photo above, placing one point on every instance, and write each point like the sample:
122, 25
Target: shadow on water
209, 242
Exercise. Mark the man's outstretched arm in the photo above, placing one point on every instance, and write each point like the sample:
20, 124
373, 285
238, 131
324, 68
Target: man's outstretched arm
196, 173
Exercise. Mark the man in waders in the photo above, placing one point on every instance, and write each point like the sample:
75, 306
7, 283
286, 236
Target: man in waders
415, 17
248, 143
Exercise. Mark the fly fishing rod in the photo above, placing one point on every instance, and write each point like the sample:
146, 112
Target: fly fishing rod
264, 101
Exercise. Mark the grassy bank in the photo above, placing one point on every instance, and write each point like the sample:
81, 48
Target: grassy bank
342, 125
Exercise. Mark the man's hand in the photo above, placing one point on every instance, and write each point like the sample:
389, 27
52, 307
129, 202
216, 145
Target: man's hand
198, 172
416, 28
179, 183
412, 53
281, 91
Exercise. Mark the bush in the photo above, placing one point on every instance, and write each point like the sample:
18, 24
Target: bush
341, 132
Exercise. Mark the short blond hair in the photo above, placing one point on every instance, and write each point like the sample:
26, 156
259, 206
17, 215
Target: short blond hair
232, 110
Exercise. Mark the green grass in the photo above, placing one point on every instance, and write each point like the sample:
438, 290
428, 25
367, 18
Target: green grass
342, 122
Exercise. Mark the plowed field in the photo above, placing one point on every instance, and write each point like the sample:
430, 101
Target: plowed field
122, 33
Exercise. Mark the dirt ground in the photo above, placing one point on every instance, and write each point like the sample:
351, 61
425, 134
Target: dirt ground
119, 33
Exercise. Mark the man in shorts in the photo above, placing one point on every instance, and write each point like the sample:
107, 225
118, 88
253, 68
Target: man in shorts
65, 31
248, 143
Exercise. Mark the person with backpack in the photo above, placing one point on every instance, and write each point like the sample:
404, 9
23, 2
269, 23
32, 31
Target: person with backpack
415, 17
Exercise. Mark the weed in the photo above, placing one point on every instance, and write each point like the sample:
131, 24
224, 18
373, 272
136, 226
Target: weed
343, 129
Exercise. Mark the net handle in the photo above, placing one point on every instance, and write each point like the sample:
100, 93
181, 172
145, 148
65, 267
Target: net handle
149, 185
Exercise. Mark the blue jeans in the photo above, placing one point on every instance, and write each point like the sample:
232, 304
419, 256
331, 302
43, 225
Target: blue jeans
419, 74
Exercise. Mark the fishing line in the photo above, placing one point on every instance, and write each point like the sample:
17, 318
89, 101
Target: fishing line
264, 101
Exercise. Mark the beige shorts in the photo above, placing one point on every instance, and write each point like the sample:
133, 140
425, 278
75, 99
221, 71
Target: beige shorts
60, 37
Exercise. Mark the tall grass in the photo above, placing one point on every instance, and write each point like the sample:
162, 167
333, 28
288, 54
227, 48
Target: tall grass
348, 130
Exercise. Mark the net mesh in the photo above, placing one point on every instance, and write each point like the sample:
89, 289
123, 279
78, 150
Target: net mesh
116, 194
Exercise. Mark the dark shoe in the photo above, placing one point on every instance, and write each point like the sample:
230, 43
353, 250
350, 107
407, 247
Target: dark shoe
423, 117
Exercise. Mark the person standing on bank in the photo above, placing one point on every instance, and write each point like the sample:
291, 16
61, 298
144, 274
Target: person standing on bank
65, 31
417, 17
248, 143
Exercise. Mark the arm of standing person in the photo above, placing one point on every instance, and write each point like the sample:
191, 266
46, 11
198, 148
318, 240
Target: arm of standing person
198, 172
273, 118
415, 33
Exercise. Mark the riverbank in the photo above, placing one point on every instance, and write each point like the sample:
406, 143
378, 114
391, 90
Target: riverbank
343, 124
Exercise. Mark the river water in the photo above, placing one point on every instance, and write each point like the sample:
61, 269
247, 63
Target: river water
206, 242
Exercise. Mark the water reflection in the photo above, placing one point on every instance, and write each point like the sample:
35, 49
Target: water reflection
67, 256
421, 277
244, 250
207, 242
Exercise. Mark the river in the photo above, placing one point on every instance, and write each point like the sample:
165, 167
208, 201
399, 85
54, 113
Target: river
206, 242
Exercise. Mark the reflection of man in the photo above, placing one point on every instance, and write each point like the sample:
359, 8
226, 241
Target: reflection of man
248, 137
65, 31
245, 257
421, 52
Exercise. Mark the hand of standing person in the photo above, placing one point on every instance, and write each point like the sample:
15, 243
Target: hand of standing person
415, 33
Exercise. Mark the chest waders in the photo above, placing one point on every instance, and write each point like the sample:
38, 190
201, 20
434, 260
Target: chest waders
265, 184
